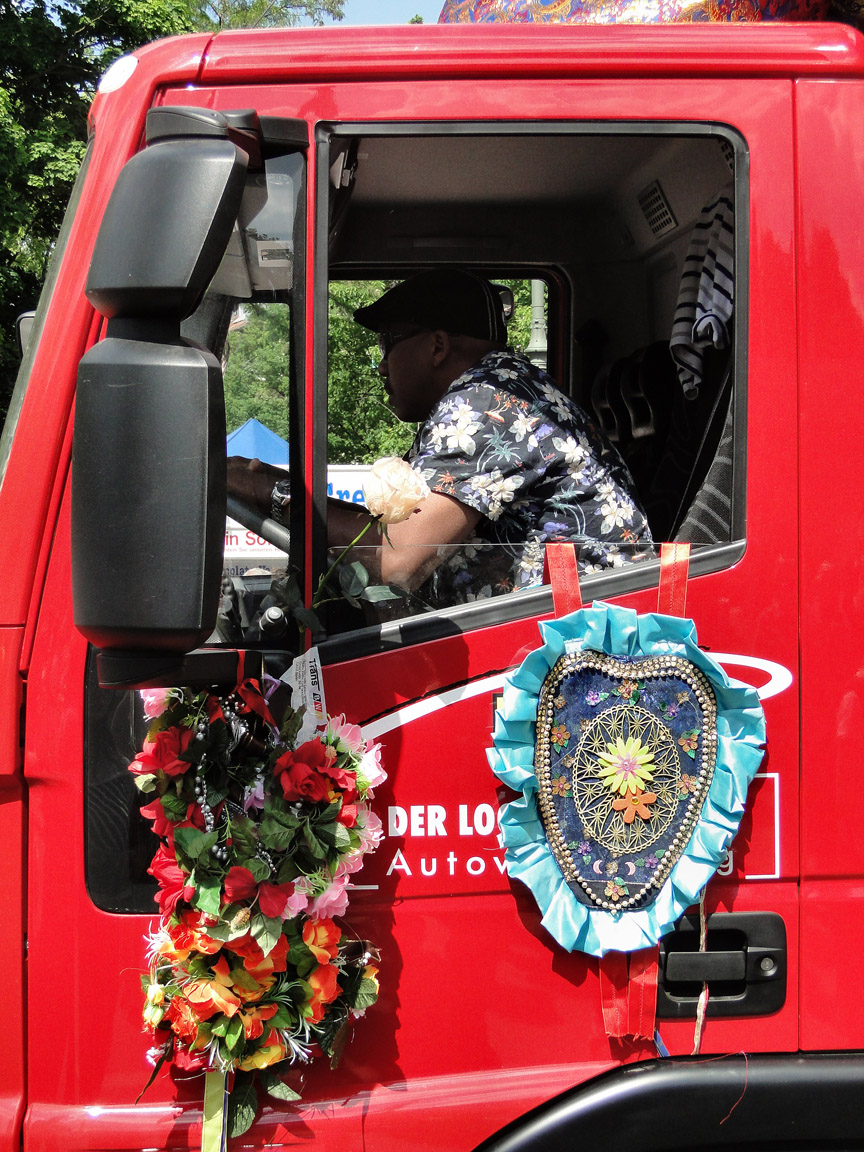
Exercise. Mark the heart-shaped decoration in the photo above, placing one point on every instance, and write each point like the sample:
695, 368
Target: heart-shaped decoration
624, 756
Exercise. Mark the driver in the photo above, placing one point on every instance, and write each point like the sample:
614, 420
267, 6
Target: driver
510, 460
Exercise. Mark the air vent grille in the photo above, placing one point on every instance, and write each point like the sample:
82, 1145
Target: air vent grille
655, 207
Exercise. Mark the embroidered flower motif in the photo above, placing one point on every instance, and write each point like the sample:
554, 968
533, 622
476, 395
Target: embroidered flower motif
633, 804
628, 690
651, 861
688, 742
687, 784
583, 847
592, 698
561, 786
560, 737
626, 764
616, 889
560, 702
683, 697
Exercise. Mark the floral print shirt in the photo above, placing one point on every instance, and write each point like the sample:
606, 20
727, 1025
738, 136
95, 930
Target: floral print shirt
507, 442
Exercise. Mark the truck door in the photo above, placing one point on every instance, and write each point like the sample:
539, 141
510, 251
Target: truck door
590, 186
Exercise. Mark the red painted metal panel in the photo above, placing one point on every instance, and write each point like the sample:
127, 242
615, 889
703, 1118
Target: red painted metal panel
831, 427
508, 50
468, 1033
12, 892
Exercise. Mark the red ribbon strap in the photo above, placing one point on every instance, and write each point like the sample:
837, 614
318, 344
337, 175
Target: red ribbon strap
560, 570
674, 566
628, 993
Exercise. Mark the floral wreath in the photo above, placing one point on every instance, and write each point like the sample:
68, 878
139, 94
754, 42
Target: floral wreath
655, 741
261, 828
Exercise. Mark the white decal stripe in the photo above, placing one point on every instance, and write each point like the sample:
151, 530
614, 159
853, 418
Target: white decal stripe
781, 679
431, 704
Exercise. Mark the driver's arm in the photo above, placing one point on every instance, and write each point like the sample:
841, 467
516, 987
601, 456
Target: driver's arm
405, 556
412, 549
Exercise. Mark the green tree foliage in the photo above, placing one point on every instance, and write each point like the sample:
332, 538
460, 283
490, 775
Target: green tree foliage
361, 425
52, 53
265, 13
51, 56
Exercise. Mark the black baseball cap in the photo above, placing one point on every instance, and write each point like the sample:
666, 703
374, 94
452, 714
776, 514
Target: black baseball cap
451, 299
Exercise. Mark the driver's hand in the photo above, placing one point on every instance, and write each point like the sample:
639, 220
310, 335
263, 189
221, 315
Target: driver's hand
251, 481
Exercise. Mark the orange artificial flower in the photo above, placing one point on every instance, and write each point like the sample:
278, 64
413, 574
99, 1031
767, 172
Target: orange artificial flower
270, 1053
214, 995
254, 960
325, 988
183, 1019
189, 935
253, 1020
634, 804
322, 937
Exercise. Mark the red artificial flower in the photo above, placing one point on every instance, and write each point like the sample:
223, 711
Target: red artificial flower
239, 884
298, 773
163, 754
172, 880
348, 815
165, 827
272, 898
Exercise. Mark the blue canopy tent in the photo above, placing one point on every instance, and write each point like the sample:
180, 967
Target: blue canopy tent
255, 440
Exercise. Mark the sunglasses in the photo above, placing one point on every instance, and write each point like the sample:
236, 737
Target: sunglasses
387, 341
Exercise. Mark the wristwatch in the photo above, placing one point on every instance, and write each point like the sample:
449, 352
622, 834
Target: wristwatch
280, 501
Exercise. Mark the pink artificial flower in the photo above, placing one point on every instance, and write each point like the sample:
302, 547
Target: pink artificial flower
255, 797
296, 904
348, 735
155, 701
332, 902
369, 827
370, 766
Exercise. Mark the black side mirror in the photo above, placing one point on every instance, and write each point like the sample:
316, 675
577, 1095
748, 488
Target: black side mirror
148, 473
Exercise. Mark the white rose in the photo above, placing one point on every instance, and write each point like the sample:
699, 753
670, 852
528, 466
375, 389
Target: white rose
393, 490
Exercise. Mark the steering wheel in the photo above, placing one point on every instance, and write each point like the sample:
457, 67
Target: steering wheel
266, 527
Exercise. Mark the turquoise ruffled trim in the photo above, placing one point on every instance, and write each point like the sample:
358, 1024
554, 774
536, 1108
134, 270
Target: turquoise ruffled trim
620, 632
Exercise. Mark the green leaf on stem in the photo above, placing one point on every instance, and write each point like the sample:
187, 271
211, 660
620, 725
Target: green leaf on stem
242, 1105
266, 931
277, 1088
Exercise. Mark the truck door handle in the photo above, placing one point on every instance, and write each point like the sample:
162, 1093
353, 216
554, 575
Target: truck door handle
744, 966
703, 967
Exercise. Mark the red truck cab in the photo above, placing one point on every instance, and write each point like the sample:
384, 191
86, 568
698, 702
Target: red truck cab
259, 168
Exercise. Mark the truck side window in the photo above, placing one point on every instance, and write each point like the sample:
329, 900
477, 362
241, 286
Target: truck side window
634, 235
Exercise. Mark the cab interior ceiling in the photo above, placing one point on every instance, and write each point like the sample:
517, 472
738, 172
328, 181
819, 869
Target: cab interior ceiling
565, 202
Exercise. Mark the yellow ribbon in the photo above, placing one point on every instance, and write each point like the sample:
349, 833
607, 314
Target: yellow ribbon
213, 1129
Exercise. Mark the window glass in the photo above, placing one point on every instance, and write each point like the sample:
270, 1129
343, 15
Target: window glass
628, 438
